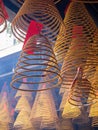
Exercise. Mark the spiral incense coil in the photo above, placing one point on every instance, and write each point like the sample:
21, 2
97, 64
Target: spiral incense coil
41, 11
37, 63
80, 91
80, 53
95, 121
3, 22
76, 15
22, 121
86, 1
20, 105
43, 113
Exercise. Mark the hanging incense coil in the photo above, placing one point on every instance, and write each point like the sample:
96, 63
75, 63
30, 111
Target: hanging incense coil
82, 93
76, 15
44, 114
37, 63
86, 1
41, 11
80, 53
95, 121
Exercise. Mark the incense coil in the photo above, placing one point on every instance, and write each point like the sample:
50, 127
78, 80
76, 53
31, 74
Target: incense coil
95, 121
86, 1
41, 11
22, 121
76, 15
81, 54
37, 63
82, 93
3, 22
43, 114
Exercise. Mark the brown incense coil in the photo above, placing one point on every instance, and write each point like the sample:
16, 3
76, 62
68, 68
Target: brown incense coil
41, 11
43, 112
86, 1
3, 22
76, 15
37, 63
82, 93
95, 121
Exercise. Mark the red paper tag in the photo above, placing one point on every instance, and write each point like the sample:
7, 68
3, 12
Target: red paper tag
3, 9
33, 29
77, 30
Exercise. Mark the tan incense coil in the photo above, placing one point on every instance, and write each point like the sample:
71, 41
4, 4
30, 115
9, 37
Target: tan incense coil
86, 1
43, 112
76, 15
23, 104
75, 57
41, 11
38, 64
80, 53
23, 121
95, 121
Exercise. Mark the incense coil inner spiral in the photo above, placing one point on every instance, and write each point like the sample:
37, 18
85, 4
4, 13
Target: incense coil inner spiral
3, 22
41, 11
76, 15
37, 63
